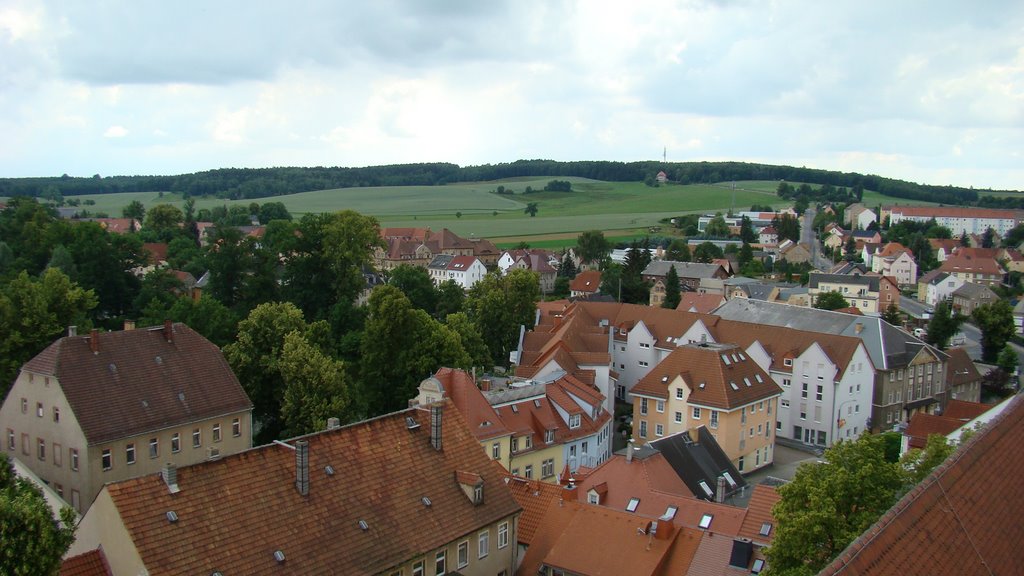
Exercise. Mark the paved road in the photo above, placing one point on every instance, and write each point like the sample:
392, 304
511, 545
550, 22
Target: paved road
972, 335
808, 236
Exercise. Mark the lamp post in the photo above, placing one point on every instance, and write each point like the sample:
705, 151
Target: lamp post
840, 421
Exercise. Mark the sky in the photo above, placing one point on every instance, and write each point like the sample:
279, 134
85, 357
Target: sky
930, 92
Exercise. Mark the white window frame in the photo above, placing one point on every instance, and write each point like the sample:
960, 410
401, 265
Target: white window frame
483, 544
463, 554
502, 535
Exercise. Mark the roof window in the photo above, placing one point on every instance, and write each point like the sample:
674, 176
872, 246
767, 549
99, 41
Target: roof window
728, 478
757, 567
746, 381
670, 513
701, 385
536, 402
426, 501
279, 556
759, 379
725, 358
632, 506
363, 525
329, 470
766, 529
515, 408
172, 516
733, 384
707, 489
705, 521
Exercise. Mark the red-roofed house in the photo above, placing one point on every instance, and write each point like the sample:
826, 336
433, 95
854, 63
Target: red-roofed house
92, 563
700, 303
985, 271
897, 261
586, 283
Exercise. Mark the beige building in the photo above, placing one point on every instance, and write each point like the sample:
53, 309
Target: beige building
713, 385
868, 293
408, 493
105, 407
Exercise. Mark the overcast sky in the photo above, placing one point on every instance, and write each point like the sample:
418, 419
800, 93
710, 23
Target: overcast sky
927, 91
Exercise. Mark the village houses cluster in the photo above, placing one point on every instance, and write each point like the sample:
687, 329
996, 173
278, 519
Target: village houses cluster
622, 441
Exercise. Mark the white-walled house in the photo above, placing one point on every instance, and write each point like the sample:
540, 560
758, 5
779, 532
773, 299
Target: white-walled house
464, 270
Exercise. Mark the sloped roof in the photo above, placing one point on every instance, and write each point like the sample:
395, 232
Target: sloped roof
141, 380
922, 425
972, 291
534, 497
683, 269
459, 386
871, 282
933, 277
759, 513
156, 251
91, 563
960, 263
650, 478
697, 458
960, 368
586, 281
702, 303
440, 261
964, 518
233, 513
965, 411
718, 375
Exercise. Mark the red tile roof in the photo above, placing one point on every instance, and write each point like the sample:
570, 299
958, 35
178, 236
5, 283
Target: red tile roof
157, 251
959, 263
139, 381
233, 513
534, 496
963, 519
965, 411
483, 421
586, 281
92, 563
960, 369
923, 425
700, 303
759, 514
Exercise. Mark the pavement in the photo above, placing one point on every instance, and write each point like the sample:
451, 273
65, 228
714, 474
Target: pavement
787, 460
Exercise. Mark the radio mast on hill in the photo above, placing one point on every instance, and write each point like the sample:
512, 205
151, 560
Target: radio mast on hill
664, 154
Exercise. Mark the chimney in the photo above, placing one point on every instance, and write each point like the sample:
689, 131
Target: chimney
435, 426
858, 327
569, 491
333, 423
485, 384
302, 467
129, 324
629, 451
169, 331
94, 341
72, 330
170, 476
720, 491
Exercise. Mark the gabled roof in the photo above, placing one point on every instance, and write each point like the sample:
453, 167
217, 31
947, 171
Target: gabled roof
759, 514
817, 278
156, 252
699, 461
459, 386
233, 513
647, 476
534, 497
964, 518
440, 261
894, 249
701, 303
965, 411
959, 263
718, 376
92, 563
972, 291
960, 369
586, 281
683, 269
933, 277
141, 380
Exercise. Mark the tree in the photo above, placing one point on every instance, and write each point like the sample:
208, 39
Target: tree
567, 268
592, 246
850, 249
831, 502
32, 541
672, 295
207, 316
499, 305
273, 211
531, 209
706, 252
746, 254
63, 261
919, 463
678, 251
316, 387
944, 324
472, 342
831, 300
747, 233
164, 220
1008, 360
561, 289
134, 210
892, 315
788, 227
995, 321
415, 283
717, 228
1012, 239
988, 239
450, 299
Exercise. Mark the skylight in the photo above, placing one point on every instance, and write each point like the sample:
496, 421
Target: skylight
725, 358
766, 529
633, 503
705, 521
742, 357
733, 384
701, 385
670, 512
757, 567
536, 403
758, 378
746, 381
728, 478
515, 408
707, 489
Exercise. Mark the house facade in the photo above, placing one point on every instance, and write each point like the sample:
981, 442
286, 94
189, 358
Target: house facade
465, 271
958, 220
937, 286
977, 270
868, 293
968, 297
896, 261
102, 408
690, 273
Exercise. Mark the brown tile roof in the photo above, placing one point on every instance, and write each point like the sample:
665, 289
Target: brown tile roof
586, 281
137, 381
535, 417
965, 411
759, 513
963, 519
923, 425
234, 513
534, 496
92, 563
650, 479
482, 420
958, 263
701, 303
949, 244
157, 251
719, 376
894, 249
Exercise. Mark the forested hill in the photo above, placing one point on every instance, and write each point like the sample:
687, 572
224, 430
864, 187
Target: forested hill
244, 183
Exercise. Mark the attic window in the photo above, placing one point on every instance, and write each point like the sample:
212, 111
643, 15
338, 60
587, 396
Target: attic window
664, 378
670, 513
787, 362
159, 360
113, 368
733, 384
734, 358
705, 521
411, 423
766, 529
725, 358
740, 354
172, 516
728, 478
633, 503
426, 501
701, 386
757, 567
707, 489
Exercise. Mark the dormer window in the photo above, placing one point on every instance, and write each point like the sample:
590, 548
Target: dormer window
787, 362
549, 436
574, 421
478, 494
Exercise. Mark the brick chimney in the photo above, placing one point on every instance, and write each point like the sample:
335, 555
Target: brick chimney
485, 384
129, 324
720, 490
169, 331
302, 467
435, 426
72, 330
94, 341
629, 451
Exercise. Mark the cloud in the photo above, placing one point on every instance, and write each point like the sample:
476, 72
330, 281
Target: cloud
115, 132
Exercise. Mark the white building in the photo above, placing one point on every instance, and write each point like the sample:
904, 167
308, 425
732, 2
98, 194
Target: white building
464, 270
958, 220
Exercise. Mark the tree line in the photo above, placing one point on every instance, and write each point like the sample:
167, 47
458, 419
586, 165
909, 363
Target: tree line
244, 183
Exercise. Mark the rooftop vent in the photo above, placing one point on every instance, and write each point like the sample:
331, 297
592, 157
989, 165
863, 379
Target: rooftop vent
329, 470
159, 361
363, 525
426, 501
333, 423
279, 556
664, 378
172, 516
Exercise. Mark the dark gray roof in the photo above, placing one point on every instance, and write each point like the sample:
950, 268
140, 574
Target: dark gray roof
816, 278
973, 291
441, 261
847, 268
684, 269
698, 460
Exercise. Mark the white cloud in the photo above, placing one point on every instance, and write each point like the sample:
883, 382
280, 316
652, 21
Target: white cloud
115, 132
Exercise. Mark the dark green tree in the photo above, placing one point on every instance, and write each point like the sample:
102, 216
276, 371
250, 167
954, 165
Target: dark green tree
988, 239
499, 305
415, 283
472, 342
830, 301
273, 211
164, 221
1008, 361
63, 261
451, 298
32, 541
531, 209
717, 228
316, 387
995, 321
943, 325
892, 315
672, 294
678, 251
746, 254
567, 268
592, 246
747, 233
706, 252
134, 210
788, 227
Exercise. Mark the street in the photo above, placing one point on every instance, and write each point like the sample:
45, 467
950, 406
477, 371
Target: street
809, 237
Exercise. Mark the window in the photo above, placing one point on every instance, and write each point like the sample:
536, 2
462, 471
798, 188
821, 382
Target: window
25, 445
818, 393
483, 544
642, 363
679, 393
740, 466
515, 445
659, 430
503, 535
10, 439
197, 438
154, 447
216, 432
549, 436
529, 471
714, 419
58, 455
108, 459
41, 448
633, 504
660, 406
786, 382
643, 428
74, 459
496, 450
787, 362
705, 520
529, 441
785, 403
439, 562
463, 554
478, 494
515, 471
547, 468
574, 421
593, 498
56, 414
679, 417
696, 413
129, 453
24, 405
39, 409
60, 489
417, 568
803, 413
643, 406
803, 391
176, 443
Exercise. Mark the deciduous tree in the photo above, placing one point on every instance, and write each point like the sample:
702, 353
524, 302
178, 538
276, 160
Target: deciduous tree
316, 387
415, 283
678, 251
499, 305
996, 323
32, 541
944, 324
592, 246
830, 301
